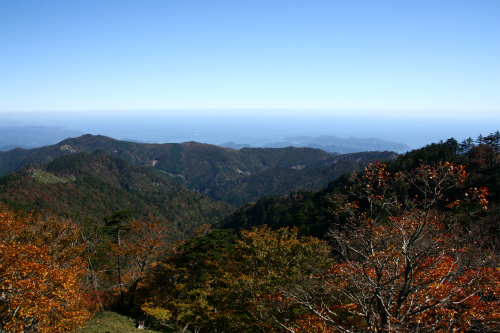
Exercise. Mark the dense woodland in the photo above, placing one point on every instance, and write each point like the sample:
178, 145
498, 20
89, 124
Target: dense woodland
400, 245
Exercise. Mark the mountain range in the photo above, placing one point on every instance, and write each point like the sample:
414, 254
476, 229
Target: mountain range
38, 136
233, 176
333, 144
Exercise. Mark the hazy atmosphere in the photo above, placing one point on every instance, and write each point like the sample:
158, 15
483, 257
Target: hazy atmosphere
252, 71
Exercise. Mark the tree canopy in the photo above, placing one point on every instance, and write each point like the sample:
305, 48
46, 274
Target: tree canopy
41, 268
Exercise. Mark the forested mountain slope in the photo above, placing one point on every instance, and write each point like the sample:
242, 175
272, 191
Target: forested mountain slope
235, 176
405, 245
312, 211
96, 185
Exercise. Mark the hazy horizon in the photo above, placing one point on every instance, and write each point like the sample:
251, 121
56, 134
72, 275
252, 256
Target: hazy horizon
257, 129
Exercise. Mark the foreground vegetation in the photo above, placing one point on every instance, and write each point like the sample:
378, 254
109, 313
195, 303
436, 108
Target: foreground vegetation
113, 322
409, 246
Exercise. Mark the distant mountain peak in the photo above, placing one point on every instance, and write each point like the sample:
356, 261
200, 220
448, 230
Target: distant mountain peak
330, 143
334, 144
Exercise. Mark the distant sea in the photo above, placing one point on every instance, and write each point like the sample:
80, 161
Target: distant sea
257, 128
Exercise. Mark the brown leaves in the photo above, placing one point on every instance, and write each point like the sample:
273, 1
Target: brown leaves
136, 251
480, 195
402, 264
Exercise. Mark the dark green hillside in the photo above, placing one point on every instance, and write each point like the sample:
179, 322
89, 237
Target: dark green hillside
16, 159
281, 180
96, 185
312, 211
235, 176
188, 160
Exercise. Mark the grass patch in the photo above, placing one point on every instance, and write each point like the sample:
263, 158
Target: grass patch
111, 322
46, 177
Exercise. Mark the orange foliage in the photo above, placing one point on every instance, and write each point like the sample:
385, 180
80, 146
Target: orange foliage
145, 240
40, 273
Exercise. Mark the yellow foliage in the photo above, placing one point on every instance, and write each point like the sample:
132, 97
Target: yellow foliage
156, 312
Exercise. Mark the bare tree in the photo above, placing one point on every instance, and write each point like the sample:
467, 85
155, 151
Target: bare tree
404, 264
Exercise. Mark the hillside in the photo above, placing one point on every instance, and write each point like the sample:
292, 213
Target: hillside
435, 198
95, 185
423, 227
311, 211
282, 180
235, 176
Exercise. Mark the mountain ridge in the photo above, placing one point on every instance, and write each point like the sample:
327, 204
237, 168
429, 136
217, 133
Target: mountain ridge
331, 144
29, 137
221, 173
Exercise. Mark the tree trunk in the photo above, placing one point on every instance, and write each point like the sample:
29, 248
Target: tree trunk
121, 302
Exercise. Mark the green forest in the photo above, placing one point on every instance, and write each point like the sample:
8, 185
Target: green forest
110, 236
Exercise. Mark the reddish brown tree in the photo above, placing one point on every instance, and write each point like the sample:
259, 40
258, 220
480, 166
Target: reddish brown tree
140, 246
405, 263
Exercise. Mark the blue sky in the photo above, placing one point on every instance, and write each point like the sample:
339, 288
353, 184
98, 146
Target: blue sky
404, 56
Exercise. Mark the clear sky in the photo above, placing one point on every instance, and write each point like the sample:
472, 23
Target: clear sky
434, 56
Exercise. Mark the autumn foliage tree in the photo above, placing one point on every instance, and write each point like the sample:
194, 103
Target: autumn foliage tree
405, 262
40, 273
214, 283
137, 245
187, 289
267, 265
146, 240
